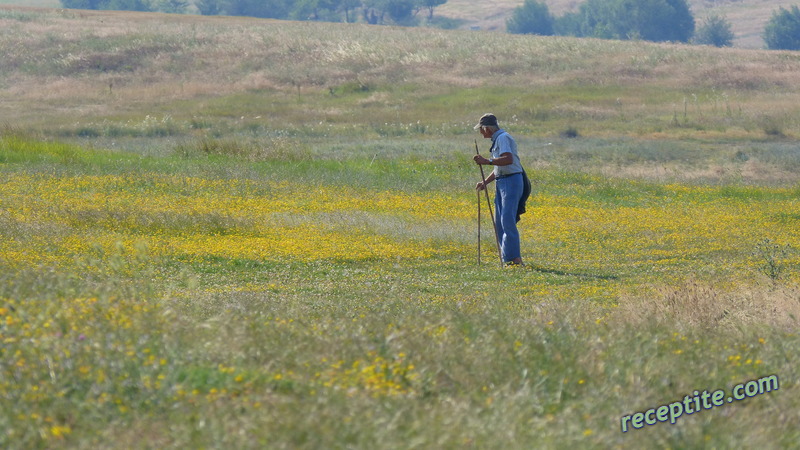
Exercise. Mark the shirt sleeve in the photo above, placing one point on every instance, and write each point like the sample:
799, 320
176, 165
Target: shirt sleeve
503, 145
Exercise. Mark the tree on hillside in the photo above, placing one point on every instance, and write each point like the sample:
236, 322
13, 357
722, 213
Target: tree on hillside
372, 12
682, 20
346, 6
173, 6
111, 5
400, 11
651, 20
782, 32
269, 9
209, 7
430, 5
532, 17
716, 31
315, 10
80, 4
570, 24
128, 5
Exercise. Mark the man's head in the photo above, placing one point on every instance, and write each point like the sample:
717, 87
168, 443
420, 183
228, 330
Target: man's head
487, 125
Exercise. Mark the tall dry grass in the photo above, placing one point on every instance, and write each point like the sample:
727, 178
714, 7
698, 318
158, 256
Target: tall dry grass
700, 306
86, 64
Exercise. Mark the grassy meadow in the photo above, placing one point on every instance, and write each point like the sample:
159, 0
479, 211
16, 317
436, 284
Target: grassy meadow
239, 233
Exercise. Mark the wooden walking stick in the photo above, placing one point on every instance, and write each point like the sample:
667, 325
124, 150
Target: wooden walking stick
479, 226
489, 203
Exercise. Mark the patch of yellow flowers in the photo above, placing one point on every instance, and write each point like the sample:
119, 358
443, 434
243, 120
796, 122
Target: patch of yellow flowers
377, 376
57, 218
50, 220
77, 223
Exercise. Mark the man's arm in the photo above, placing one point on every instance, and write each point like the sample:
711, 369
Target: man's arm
482, 185
504, 160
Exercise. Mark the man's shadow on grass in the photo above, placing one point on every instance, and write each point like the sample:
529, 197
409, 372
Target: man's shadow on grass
552, 271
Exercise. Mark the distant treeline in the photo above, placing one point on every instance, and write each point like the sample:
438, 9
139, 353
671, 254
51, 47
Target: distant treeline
369, 11
650, 20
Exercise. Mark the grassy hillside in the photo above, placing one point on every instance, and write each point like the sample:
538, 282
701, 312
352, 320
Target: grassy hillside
239, 233
94, 73
747, 17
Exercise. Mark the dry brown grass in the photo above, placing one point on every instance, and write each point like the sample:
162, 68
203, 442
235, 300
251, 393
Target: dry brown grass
696, 305
63, 68
752, 171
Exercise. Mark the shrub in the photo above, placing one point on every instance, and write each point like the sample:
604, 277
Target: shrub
782, 32
716, 31
651, 20
531, 18
570, 132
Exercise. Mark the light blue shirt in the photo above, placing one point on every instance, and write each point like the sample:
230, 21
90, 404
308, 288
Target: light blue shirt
502, 142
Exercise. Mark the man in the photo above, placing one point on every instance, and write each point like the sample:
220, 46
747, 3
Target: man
513, 186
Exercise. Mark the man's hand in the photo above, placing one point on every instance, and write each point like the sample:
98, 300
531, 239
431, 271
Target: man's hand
480, 186
480, 160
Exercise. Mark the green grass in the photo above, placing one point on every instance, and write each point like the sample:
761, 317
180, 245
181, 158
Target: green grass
117, 342
250, 234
